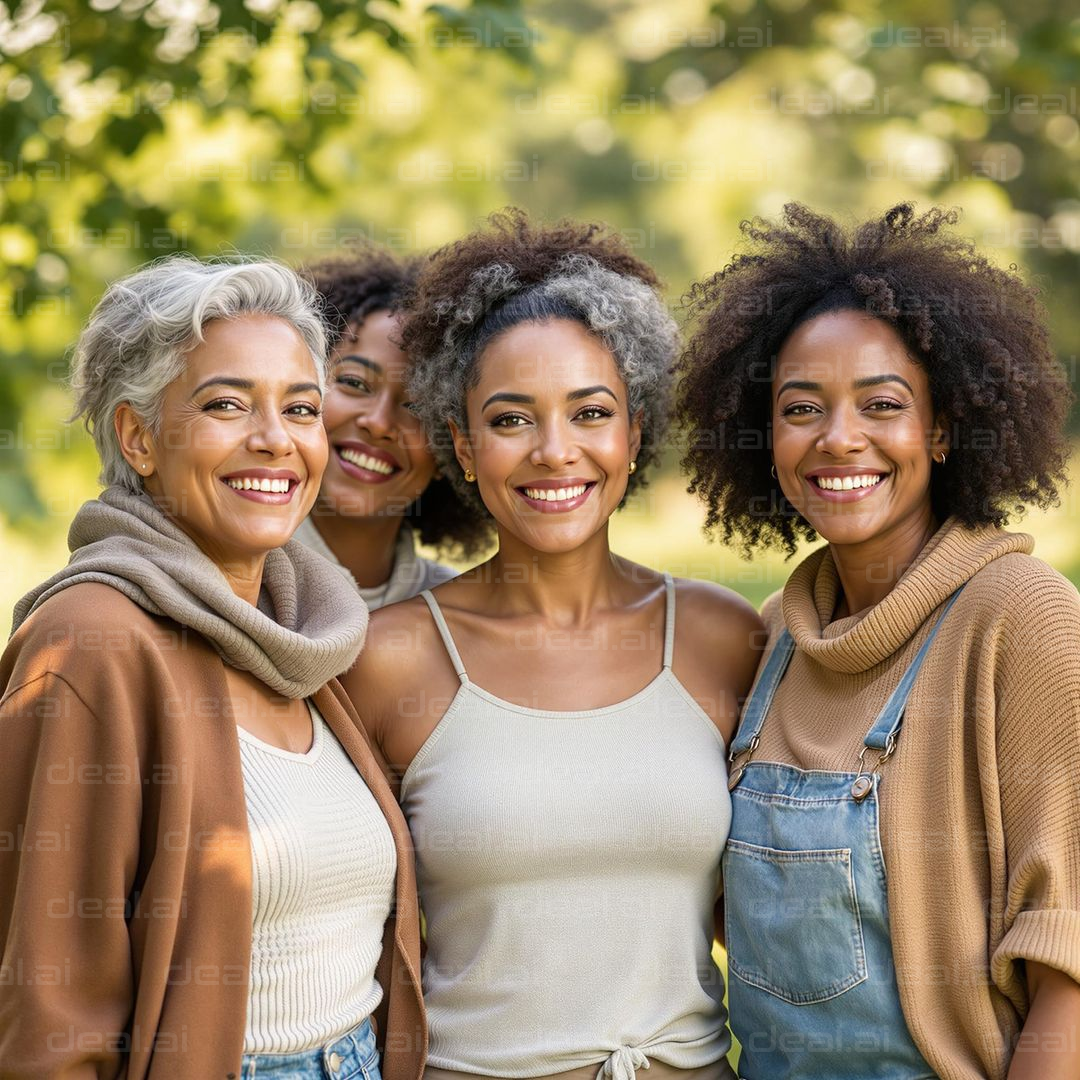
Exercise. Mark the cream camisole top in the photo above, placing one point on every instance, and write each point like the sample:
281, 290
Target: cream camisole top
568, 864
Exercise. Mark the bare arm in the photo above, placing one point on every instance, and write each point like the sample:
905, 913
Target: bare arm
718, 644
401, 684
1049, 1044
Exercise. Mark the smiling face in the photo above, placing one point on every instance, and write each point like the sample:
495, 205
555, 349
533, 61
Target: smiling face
241, 449
854, 428
379, 459
550, 435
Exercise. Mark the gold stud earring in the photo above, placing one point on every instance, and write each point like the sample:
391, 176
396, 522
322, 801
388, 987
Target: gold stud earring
470, 476
633, 467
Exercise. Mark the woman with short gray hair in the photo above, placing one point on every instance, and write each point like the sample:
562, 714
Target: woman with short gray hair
558, 729
220, 904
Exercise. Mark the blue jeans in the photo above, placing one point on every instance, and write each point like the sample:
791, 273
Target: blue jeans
352, 1056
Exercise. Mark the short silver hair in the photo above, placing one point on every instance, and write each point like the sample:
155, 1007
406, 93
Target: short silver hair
137, 339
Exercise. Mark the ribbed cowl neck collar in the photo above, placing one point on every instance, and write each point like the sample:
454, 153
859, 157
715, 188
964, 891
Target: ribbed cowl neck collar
857, 643
308, 627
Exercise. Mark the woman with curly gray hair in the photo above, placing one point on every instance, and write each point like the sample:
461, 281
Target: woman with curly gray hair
214, 850
558, 715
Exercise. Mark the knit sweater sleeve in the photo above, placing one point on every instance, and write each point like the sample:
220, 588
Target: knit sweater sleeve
68, 779
1037, 691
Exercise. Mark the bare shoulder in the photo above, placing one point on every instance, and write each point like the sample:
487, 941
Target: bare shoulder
716, 617
718, 642
400, 639
402, 681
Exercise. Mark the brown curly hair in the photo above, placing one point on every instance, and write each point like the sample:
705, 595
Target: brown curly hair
364, 279
514, 271
978, 331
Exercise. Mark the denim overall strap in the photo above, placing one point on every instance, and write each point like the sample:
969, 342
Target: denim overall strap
756, 709
882, 734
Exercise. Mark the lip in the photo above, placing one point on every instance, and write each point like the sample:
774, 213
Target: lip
267, 498
564, 506
358, 472
840, 471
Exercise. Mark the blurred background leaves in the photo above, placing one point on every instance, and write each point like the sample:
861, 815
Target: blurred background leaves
133, 128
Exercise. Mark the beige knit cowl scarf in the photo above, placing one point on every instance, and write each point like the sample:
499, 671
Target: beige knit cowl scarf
857, 643
307, 628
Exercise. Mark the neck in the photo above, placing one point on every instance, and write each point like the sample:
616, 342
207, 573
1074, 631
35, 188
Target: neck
869, 571
564, 588
244, 573
363, 545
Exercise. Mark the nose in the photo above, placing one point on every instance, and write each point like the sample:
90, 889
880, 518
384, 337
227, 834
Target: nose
555, 445
841, 433
379, 417
268, 434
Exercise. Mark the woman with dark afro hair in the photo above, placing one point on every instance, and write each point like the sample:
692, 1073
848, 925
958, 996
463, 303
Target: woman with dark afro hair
381, 490
902, 876
559, 715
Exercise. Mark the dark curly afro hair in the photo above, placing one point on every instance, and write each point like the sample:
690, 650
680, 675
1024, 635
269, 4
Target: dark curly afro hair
362, 280
515, 271
978, 331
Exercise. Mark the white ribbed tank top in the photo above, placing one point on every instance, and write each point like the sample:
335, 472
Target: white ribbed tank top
568, 863
323, 866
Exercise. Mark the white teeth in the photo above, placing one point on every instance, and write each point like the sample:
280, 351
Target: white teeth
366, 461
847, 483
556, 494
248, 483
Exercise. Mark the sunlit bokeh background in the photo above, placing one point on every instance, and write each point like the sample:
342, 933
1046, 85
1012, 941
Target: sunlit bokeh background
133, 128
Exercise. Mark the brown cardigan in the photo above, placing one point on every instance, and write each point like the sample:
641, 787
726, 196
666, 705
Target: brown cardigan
125, 865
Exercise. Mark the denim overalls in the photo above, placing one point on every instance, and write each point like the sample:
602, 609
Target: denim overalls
812, 986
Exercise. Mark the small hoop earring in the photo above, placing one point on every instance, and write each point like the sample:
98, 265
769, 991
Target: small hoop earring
633, 467
470, 476
940, 460
773, 471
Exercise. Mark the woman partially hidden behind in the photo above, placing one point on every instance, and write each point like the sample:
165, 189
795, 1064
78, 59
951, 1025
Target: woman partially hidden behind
230, 849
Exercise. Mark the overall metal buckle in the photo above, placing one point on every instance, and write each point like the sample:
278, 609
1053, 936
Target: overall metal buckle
737, 773
864, 782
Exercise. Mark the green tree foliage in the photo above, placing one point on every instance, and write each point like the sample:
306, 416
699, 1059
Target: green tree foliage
132, 128
89, 90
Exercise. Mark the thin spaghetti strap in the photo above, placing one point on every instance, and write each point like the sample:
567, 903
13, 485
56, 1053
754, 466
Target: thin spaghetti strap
669, 620
444, 633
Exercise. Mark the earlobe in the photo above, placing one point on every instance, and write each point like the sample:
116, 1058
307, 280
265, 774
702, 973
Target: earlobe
939, 440
635, 433
462, 447
134, 438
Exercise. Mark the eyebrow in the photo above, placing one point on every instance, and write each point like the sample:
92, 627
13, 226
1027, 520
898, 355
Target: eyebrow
356, 358
526, 399
247, 384
858, 384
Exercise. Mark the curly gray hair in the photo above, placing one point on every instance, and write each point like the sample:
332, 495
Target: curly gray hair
624, 312
136, 340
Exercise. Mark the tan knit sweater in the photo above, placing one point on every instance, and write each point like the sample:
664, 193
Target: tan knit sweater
980, 815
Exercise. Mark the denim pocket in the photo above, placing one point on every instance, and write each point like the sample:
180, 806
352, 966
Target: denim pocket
792, 921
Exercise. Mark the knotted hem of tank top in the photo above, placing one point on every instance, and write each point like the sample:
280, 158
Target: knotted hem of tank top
623, 1064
